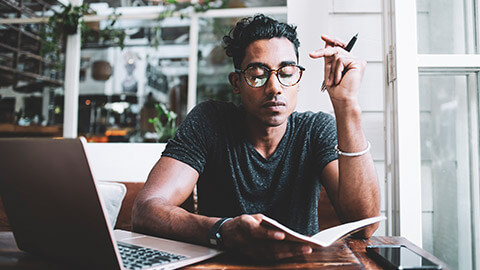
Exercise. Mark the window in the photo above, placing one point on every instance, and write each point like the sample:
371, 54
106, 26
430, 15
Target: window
447, 130
436, 84
115, 86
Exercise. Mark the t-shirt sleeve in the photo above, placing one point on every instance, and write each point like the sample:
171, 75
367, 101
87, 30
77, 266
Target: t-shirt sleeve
324, 139
193, 138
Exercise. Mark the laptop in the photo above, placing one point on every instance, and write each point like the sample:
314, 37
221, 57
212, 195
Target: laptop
55, 211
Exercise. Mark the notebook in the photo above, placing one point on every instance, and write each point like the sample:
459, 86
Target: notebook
55, 211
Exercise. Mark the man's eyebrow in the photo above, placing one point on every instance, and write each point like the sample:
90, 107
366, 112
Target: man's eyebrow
257, 64
260, 64
287, 63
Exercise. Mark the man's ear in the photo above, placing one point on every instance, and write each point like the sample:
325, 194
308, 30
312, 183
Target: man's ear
234, 79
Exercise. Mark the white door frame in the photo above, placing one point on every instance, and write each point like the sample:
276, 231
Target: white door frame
403, 121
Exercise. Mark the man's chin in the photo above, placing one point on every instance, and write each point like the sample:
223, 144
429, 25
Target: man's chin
275, 121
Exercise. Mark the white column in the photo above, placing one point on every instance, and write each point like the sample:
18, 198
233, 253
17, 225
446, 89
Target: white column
192, 63
72, 71
45, 102
407, 114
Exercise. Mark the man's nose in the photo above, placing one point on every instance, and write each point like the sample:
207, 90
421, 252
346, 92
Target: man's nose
273, 86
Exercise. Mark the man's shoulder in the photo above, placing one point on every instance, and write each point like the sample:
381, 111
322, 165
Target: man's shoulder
215, 107
214, 114
312, 116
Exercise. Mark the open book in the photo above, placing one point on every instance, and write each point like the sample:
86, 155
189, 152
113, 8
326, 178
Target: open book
326, 237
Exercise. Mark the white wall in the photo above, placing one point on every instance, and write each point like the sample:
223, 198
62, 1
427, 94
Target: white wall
126, 162
343, 19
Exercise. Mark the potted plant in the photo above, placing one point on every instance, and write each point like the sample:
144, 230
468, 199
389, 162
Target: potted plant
164, 123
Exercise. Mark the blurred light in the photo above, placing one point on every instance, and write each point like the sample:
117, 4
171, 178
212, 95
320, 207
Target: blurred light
118, 107
87, 102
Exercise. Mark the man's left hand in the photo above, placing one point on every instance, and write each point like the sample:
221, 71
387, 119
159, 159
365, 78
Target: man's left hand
343, 72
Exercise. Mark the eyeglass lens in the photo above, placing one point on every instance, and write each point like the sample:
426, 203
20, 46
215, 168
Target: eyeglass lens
257, 76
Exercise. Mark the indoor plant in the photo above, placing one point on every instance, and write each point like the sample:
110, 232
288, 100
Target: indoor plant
164, 123
65, 22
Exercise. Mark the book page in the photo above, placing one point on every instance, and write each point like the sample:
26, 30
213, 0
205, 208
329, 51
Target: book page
326, 237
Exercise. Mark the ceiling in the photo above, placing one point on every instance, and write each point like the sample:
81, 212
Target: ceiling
231, 3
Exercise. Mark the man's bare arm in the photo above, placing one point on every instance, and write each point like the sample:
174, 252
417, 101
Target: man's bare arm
351, 182
156, 211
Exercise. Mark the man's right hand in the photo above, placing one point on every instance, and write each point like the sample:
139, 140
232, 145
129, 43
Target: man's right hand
245, 235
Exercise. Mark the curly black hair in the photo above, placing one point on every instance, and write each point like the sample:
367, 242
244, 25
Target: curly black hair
250, 29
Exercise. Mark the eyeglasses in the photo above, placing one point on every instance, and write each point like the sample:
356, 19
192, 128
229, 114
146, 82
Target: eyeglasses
258, 75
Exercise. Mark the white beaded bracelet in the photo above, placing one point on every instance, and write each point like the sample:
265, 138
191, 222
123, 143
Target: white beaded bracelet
340, 152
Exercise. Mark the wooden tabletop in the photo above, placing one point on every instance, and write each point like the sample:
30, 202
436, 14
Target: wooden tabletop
344, 254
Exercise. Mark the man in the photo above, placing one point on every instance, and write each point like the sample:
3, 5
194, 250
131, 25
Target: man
262, 158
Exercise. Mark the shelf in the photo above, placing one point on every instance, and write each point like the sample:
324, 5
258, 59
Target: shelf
25, 32
6, 57
31, 76
20, 46
19, 8
25, 53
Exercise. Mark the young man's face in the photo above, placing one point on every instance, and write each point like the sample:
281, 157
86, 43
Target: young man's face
272, 103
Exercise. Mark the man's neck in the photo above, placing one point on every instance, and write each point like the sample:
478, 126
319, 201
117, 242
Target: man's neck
265, 139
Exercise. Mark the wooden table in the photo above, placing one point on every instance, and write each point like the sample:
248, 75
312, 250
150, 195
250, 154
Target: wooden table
344, 254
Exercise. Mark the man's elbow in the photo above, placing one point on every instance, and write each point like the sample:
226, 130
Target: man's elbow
138, 215
367, 232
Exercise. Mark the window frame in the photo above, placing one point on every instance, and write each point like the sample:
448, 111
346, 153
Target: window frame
404, 66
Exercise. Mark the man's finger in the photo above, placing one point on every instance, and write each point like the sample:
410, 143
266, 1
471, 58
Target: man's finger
265, 233
333, 41
325, 52
286, 250
338, 71
331, 72
252, 225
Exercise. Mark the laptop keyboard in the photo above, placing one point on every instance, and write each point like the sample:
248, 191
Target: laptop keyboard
136, 257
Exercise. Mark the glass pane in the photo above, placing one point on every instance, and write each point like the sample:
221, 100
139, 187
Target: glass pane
446, 170
31, 82
441, 26
120, 88
213, 64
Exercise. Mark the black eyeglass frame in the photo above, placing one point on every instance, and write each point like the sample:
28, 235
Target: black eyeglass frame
302, 69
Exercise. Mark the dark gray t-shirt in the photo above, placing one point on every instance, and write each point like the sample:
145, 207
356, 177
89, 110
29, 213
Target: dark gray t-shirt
235, 179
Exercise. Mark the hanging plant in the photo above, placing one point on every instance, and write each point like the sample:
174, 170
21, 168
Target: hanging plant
66, 22
183, 8
108, 35
68, 19
60, 24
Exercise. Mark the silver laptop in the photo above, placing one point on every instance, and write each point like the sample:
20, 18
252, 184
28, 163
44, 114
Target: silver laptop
54, 209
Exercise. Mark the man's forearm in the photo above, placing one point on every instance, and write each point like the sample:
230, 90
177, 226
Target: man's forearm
155, 217
358, 194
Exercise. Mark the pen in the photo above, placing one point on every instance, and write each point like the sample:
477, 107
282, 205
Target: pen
347, 48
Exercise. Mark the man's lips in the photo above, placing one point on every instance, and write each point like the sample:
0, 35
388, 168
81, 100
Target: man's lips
269, 104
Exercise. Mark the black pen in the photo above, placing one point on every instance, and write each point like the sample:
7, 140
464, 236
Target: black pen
351, 43
347, 48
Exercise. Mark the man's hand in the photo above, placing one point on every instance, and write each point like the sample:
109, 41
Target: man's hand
343, 72
246, 235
